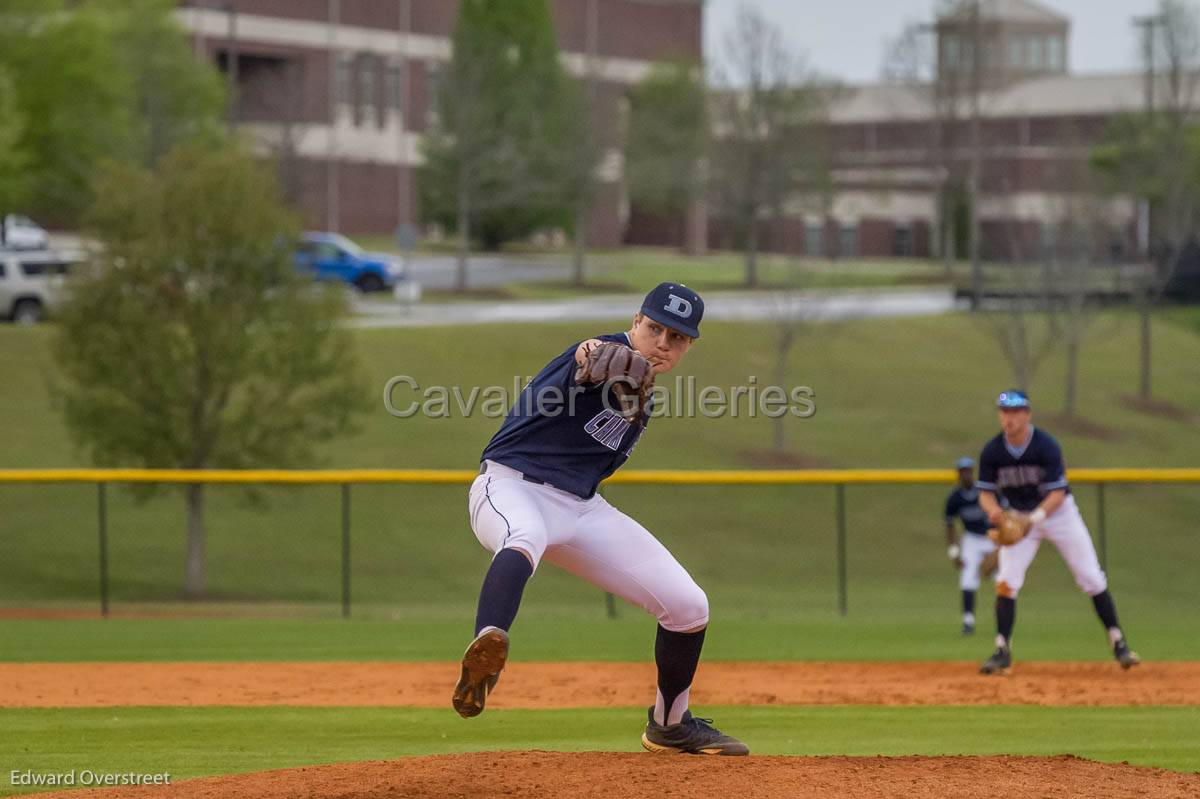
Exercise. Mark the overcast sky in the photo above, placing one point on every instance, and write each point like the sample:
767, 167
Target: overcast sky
845, 38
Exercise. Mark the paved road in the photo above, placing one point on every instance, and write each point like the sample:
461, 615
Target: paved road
437, 271
813, 306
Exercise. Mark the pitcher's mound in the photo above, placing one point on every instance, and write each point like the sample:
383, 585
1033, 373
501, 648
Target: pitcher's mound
563, 775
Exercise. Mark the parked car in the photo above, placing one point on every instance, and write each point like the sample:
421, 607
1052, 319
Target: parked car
32, 283
22, 233
329, 256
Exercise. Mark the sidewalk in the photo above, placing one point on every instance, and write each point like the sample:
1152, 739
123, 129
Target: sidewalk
816, 306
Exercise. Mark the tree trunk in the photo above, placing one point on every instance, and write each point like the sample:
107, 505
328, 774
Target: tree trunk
1072, 367
1144, 385
579, 256
194, 577
1021, 353
464, 234
948, 248
752, 253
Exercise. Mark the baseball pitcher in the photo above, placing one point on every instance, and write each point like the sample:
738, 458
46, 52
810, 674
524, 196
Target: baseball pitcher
1024, 464
535, 499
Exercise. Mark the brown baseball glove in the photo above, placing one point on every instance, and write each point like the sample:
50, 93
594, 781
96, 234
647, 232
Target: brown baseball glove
989, 564
628, 373
1011, 528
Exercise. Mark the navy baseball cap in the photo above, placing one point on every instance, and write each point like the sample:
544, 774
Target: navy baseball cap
676, 306
1012, 399
965, 463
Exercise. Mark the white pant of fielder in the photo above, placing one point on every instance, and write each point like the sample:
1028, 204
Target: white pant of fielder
588, 538
973, 549
1066, 530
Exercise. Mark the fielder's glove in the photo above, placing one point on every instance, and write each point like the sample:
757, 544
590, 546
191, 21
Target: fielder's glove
1012, 527
628, 373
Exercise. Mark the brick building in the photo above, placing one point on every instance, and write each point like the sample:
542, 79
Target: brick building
900, 160
342, 90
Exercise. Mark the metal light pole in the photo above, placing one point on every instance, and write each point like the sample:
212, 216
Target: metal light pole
231, 63
332, 212
403, 170
973, 177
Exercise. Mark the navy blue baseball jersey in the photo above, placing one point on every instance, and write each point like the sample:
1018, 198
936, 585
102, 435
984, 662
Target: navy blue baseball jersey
1022, 475
965, 505
561, 433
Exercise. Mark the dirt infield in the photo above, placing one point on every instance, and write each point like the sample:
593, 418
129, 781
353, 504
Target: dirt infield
565, 775
580, 685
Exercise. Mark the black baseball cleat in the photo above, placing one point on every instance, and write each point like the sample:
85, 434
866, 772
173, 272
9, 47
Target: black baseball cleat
481, 666
968, 628
999, 663
692, 736
1124, 655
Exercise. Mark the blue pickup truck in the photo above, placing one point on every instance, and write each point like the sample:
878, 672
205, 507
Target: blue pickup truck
329, 256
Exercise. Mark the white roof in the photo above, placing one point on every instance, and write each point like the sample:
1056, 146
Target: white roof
1052, 95
1009, 11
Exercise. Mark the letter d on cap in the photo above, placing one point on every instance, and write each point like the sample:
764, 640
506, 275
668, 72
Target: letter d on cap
679, 306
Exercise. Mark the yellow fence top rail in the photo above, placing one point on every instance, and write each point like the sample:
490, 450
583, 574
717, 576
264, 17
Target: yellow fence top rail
645, 476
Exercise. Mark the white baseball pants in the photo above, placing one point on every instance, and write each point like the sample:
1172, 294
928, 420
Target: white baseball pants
1065, 529
588, 538
973, 549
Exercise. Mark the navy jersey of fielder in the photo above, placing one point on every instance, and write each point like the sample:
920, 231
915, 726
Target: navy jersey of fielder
965, 505
542, 438
1023, 475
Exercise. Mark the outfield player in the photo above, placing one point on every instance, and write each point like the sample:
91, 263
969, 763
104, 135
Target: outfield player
967, 556
535, 499
1024, 465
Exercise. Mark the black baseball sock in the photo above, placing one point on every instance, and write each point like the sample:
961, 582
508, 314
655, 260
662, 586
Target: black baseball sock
968, 599
677, 655
1006, 617
1106, 610
500, 596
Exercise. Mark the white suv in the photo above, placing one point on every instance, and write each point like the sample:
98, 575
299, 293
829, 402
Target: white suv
22, 233
32, 283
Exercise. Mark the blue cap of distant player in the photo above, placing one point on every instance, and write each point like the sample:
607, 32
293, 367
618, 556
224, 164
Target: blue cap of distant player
965, 463
676, 306
1012, 399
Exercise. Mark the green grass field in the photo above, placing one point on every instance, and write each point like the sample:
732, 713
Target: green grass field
191, 742
914, 393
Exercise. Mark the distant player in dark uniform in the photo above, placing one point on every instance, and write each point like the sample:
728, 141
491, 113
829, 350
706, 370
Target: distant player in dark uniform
968, 556
535, 498
1024, 465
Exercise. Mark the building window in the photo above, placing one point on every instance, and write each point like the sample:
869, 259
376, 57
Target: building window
902, 240
433, 91
393, 89
1048, 243
812, 240
1054, 53
848, 241
343, 82
950, 50
1016, 53
368, 87
1035, 52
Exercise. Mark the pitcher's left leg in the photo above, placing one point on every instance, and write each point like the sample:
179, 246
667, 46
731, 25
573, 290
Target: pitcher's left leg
1067, 531
614, 552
